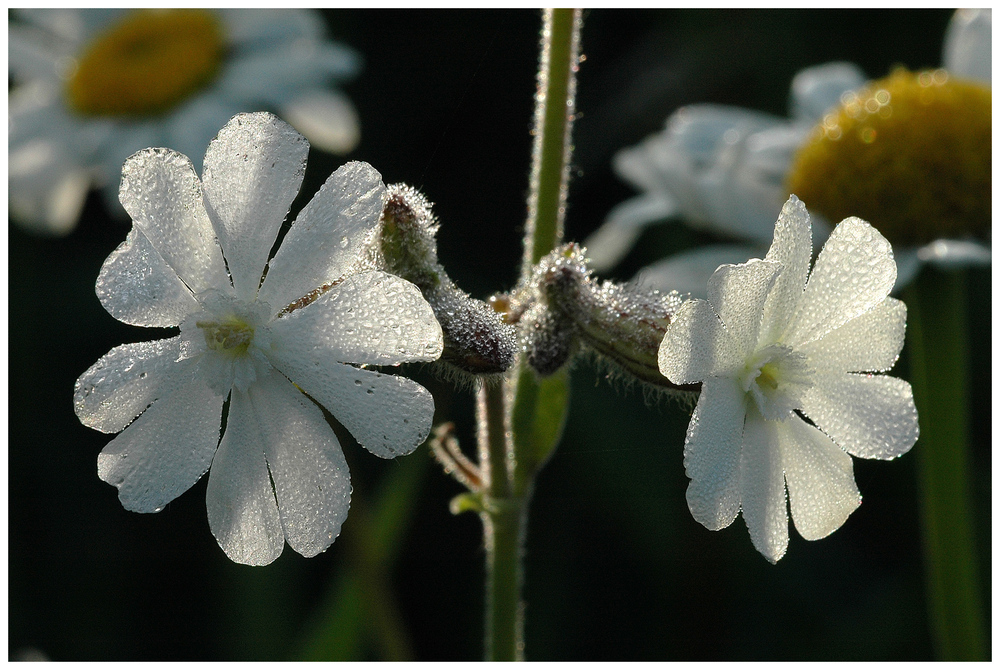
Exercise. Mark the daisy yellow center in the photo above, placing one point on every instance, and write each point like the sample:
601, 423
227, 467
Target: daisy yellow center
910, 153
231, 336
147, 63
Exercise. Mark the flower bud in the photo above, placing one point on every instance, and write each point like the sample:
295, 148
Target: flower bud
476, 340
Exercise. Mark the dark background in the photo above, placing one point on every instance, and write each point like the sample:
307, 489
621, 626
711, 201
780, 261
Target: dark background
616, 568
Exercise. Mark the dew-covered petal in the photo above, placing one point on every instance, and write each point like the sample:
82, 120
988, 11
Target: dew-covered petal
242, 511
820, 475
326, 238
869, 416
370, 318
253, 170
762, 486
712, 453
610, 243
792, 248
125, 381
161, 192
307, 466
166, 450
853, 273
327, 118
137, 286
737, 294
389, 415
689, 271
696, 346
867, 343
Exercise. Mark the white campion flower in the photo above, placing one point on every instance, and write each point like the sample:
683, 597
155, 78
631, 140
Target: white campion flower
92, 86
194, 259
787, 393
725, 169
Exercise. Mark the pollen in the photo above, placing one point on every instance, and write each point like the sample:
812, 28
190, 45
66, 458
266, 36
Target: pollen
911, 153
147, 63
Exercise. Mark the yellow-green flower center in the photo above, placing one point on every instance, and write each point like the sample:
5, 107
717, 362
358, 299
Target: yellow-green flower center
910, 153
147, 63
232, 336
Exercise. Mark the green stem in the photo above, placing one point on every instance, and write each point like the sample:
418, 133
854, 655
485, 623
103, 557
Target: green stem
936, 304
502, 445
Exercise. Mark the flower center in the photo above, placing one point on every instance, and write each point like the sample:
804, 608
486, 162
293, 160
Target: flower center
775, 377
911, 153
231, 336
147, 63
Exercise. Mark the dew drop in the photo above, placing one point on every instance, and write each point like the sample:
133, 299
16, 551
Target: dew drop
371, 391
344, 242
357, 382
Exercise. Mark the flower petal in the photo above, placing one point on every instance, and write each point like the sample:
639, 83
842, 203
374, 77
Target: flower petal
815, 90
166, 450
326, 238
792, 247
820, 475
853, 273
610, 243
867, 343
137, 286
968, 44
370, 318
955, 254
125, 381
712, 453
737, 293
326, 118
762, 486
242, 511
388, 414
30, 54
696, 346
869, 416
688, 272
161, 192
311, 479
253, 171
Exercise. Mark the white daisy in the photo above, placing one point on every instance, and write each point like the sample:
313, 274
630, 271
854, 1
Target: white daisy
93, 86
787, 393
726, 169
194, 259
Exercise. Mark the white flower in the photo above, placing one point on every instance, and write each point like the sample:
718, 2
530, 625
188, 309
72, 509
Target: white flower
787, 392
194, 258
94, 86
724, 169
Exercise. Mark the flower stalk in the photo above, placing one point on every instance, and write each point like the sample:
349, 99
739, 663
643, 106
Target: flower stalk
939, 363
521, 421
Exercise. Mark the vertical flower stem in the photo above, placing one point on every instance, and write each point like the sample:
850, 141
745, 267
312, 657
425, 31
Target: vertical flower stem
939, 363
505, 443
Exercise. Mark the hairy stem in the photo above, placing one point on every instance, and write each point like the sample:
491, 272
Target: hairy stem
939, 364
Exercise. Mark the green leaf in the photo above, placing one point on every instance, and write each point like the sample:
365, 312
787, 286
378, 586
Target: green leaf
538, 418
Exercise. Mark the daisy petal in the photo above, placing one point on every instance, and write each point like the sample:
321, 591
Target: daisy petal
762, 486
792, 247
737, 294
968, 44
618, 234
124, 382
369, 318
689, 271
326, 237
242, 511
712, 453
166, 450
327, 118
869, 416
137, 286
161, 192
853, 273
696, 346
389, 415
815, 90
253, 170
867, 343
310, 475
29, 54
821, 488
